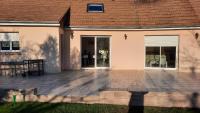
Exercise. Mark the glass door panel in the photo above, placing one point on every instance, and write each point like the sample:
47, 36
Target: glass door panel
102, 52
168, 57
152, 57
88, 51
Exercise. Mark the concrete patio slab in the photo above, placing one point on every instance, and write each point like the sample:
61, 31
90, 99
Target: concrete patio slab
91, 82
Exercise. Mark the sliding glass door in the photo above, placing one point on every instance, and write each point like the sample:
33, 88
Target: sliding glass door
95, 52
161, 57
102, 52
88, 52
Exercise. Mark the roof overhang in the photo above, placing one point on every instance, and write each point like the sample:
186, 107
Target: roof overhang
30, 23
89, 28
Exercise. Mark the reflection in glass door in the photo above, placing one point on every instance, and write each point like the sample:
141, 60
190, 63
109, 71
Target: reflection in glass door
88, 51
102, 52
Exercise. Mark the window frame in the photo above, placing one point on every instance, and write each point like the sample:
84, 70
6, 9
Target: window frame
10, 43
160, 47
146, 55
6, 44
95, 4
15, 47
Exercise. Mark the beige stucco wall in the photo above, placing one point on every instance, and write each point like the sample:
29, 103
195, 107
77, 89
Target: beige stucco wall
36, 43
130, 53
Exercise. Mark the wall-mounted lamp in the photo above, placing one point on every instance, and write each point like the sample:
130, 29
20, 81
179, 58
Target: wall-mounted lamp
196, 36
72, 35
125, 36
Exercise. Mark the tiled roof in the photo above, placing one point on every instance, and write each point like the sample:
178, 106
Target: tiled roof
33, 10
118, 13
137, 13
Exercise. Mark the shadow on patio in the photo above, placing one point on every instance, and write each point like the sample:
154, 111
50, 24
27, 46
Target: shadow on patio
91, 82
136, 104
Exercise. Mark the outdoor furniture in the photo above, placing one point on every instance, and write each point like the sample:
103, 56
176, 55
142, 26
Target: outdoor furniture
154, 60
11, 68
26, 67
34, 67
163, 61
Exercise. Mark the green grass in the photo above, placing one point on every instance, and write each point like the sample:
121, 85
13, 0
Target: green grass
84, 108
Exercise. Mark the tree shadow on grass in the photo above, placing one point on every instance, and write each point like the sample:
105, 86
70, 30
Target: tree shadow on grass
34, 107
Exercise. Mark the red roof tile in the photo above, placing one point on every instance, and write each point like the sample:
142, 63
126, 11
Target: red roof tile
118, 13
137, 13
33, 10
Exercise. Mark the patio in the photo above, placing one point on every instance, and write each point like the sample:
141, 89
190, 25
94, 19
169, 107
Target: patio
90, 82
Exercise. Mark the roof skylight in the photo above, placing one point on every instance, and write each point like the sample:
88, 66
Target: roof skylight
93, 7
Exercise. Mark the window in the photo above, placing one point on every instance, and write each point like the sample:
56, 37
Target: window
9, 42
164, 57
95, 8
15, 45
161, 51
152, 56
5, 45
168, 57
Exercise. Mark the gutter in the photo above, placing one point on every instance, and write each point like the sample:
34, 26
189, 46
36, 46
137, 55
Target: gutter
131, 28
30, 23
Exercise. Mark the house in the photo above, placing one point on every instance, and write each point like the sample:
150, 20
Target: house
102, 34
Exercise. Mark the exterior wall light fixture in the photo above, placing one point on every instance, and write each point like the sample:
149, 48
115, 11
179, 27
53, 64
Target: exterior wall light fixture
196, 36
72, 35
125, 36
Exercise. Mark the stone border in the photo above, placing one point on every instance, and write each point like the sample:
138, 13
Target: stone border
156, 99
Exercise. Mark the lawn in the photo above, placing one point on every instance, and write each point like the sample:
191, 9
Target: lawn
84, 108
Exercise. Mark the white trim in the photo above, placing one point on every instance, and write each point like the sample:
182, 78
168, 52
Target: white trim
129, 29
28, 24
157, 68
10, 51
95, 52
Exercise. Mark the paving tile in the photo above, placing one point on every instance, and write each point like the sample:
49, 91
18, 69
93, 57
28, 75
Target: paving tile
91, 82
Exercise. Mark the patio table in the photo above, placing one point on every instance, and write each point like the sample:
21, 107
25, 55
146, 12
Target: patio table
25, 67
11, 68
34, 66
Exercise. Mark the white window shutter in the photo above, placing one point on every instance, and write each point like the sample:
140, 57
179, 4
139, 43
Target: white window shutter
161, 40
9, 36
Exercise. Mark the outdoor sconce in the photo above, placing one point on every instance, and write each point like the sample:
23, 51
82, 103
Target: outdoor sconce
196, 36
125, 36
72, 35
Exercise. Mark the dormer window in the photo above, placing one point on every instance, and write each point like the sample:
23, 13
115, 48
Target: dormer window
99, 8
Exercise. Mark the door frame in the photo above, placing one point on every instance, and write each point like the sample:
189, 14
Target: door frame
95, 51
